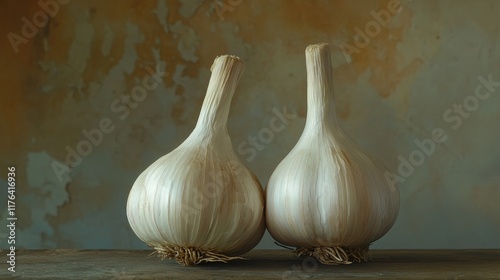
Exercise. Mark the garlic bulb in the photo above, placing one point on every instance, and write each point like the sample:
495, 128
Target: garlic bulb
199, 203
326, 197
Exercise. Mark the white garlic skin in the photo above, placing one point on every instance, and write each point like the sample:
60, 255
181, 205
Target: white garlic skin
323, 195
201, 195
325, 192
194, 206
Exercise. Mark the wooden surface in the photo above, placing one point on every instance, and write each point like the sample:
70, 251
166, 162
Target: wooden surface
261, 264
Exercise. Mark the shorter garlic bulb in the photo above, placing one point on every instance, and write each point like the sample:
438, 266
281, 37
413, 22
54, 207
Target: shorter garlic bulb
326, 197
199, 203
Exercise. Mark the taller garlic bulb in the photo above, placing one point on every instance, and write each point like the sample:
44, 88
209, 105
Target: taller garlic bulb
199, 203
326, 197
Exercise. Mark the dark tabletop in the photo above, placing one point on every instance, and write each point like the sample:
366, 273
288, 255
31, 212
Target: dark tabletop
260, 264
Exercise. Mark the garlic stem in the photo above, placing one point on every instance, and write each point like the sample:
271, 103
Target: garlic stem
320, 107
226, 72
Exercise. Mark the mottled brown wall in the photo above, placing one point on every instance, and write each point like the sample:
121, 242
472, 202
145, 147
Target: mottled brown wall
79, 69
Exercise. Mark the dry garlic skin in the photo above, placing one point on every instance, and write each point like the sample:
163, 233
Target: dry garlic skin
322, 195
211, 202
326, 197
199, 203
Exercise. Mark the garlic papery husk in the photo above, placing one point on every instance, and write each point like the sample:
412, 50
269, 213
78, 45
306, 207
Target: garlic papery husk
326, 197
199, 203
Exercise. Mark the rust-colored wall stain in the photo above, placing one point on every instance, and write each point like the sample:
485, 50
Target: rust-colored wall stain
52, 89
15, 83
315, 21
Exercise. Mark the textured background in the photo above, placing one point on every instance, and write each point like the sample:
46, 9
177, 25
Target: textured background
406, 78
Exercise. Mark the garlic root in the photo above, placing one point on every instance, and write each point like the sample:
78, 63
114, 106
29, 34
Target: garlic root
335, 255
190, 256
